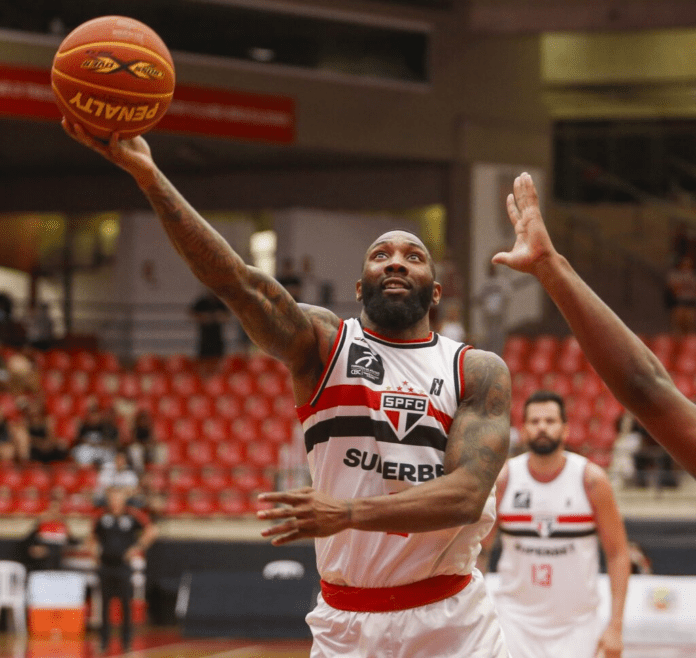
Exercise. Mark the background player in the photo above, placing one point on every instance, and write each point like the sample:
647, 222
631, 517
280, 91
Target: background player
552, 506
631, 371
386, 405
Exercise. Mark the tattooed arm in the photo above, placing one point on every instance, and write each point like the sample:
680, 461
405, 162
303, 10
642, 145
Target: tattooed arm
477, 446
300, 337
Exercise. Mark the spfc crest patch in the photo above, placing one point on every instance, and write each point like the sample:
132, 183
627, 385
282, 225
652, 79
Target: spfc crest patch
404, 411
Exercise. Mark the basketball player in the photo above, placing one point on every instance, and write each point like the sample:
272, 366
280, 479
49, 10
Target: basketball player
552, 506
406, 433
631, 371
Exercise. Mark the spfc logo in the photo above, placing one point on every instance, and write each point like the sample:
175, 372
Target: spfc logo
404, 411
545, 526
364, 363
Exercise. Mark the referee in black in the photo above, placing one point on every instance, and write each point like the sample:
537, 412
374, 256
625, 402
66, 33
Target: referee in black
118, 535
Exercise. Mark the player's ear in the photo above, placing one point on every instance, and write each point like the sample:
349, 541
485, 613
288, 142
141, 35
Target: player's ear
358, 291
437, 293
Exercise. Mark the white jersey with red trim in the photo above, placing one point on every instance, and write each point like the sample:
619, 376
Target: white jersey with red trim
550, 558
377, 424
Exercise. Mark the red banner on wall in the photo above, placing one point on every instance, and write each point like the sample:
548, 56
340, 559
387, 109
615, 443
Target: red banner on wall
26, 93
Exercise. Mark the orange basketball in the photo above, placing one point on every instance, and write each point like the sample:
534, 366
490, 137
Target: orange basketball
111, 74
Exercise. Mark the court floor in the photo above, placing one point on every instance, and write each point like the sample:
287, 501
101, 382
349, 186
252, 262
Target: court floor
168, 643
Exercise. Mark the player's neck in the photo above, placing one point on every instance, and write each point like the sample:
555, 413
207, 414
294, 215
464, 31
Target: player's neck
545, 468
417, 331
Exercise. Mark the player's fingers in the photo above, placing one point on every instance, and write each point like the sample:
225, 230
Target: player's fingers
525, 192
280, 529
512, 209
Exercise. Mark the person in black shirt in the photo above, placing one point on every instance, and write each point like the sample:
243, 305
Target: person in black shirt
48, 539
118, 535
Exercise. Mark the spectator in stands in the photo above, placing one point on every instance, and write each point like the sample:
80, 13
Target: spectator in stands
681, 283
13, 441
118, 473
211, 314
24, 377
94, 443
49, 538
142, 447
40, 329
44, 446
12, 332
120, 534
652, 461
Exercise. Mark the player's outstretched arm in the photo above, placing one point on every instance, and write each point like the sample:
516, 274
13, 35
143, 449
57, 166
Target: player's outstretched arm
631, 371
477, 446
269, 315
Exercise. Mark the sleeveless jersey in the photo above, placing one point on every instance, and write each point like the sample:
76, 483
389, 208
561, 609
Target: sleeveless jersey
550, 558
377, 424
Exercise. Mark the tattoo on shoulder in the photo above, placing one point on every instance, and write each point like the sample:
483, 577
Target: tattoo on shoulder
480, 433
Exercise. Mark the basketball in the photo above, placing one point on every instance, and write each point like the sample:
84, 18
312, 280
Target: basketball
113, 73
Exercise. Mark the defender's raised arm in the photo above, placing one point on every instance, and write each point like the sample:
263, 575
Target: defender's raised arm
631, 371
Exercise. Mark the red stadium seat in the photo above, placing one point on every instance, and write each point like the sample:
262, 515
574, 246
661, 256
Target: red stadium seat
60, 405
182, 478
270, 384
257, 406
558, 383
262, 454
200, 503
85, 361
608, 408
524, 384
77, 504
148, 363
284, 406
30, 502
516, 363
232, 502
175, 363
39, 477
663, 342
155, 479
162, 429
215, 385
79, 382
255, 505
185, 383
685, 363
53, 382
66, 427
130, 385
577, 436
687, 343
200, 453
155, 383
685, 383
259, 363
108, 362
233, 363
602, 458
175, 452
8, 503
545, 344
12, 477
230, 453
171, 406
540, 363
215, 429
516, 344
571, 362
246, 478
8, 406
579, 408
200, 406
588, 384
215, 478
107, 383
601, 434
57, 360
66, 477
174, 504
186, 429
88, 479
228, 406
241, 384
245, 428
276, 430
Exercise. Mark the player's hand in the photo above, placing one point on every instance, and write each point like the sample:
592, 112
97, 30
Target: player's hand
307, 513
610, 645
132, 155
532, 244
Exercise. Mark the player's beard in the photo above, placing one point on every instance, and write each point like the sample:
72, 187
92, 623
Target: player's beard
544, 445
399, 313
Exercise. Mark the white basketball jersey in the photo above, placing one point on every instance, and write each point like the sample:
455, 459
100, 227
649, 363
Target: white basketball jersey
376, 425
550, 560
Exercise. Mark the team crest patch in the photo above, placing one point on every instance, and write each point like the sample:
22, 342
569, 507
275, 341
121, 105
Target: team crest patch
364, 363
404, 411
545, 526
522, 499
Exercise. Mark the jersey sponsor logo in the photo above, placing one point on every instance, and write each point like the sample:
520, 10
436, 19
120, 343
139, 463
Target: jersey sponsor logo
364, 363
436, 387
522, 499
403, 410
402, 471
541, 551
